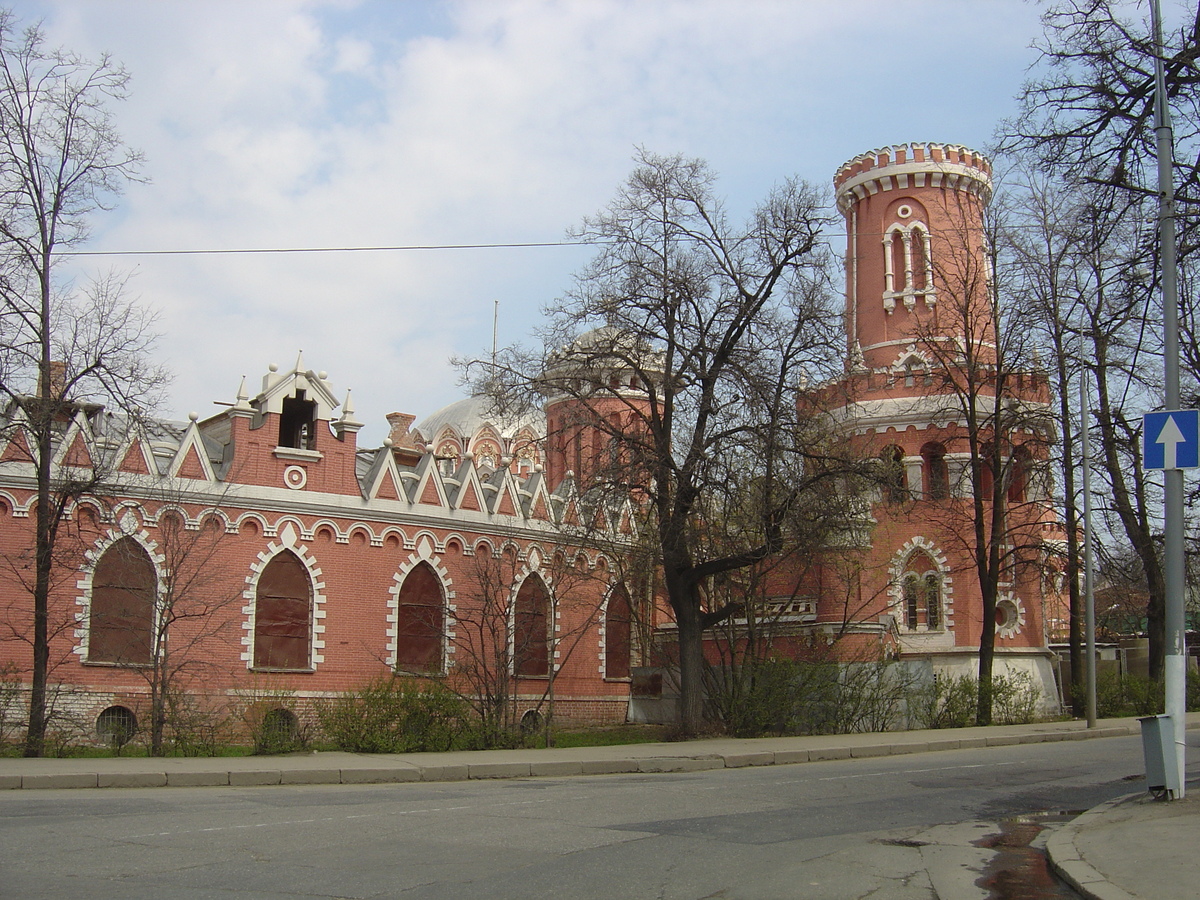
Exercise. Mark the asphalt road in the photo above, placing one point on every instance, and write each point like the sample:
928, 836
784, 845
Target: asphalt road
891, 828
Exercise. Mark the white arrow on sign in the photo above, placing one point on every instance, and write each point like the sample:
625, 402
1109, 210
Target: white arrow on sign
1170, 437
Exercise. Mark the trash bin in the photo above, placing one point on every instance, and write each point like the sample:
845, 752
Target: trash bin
1158, 747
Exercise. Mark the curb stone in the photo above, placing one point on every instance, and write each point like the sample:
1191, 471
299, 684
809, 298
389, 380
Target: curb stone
1067, 862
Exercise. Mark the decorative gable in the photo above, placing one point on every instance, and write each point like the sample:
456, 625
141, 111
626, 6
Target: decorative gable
191, 460
136, 460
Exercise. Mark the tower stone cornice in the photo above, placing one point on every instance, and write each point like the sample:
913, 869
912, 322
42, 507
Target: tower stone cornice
913, 165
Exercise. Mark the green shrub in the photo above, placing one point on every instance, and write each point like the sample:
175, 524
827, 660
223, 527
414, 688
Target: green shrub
945, 702
273, 723
872, 696
1119, 696
1015, 699
393, 715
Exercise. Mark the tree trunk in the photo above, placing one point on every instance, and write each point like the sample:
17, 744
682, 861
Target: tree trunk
691, 669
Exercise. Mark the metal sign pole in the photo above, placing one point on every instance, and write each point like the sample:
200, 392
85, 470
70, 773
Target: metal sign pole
1175, 662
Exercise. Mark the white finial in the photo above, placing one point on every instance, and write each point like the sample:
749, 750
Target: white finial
193, 416
300, 361
387, 442
273, 367
324, 376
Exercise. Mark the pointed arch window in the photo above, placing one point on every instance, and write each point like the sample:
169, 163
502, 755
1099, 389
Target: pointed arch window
283, 615
420, 621
921, 594
531, 644
618, 631
121, 617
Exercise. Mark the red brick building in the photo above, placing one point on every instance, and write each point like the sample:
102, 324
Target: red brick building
297, 564
301, 565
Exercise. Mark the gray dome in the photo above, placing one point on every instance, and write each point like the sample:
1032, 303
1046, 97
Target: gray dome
467, 416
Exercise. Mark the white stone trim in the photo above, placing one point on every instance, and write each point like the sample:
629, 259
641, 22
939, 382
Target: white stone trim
425, 552
127, 527
288, 540
896, 572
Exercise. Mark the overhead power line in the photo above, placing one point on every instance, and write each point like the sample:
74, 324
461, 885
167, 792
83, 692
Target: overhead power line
234, 250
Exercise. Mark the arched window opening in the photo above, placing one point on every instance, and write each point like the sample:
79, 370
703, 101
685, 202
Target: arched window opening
420, 621
920, 262
116, 726
933, 601
1018, 475
618, 621
297, 422
531, 644
911, 606
921, 594
895, 482
936, 472
121, 620
896, 260
283, 615
987, 478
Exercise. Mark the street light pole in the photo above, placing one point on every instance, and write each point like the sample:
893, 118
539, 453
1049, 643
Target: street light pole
1175, 658
1089, 593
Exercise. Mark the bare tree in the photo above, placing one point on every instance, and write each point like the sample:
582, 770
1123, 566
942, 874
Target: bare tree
1088, 118
64, 352
191, 621
707, 332
1087, 113
982, 375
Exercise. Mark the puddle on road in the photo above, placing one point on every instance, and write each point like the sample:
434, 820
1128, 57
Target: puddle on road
1020, 871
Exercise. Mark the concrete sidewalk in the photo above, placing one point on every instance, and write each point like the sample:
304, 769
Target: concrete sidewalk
681, 756
1129, 849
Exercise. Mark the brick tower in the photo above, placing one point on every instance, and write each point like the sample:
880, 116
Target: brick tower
918, 316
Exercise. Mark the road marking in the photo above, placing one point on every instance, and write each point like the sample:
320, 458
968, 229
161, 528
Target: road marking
989, 765
478, 808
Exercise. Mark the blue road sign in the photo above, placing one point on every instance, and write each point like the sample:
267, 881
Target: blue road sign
1171, 439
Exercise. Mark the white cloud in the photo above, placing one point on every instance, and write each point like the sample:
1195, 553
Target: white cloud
300, 124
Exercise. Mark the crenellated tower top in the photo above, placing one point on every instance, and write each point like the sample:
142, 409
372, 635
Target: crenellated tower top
916, 165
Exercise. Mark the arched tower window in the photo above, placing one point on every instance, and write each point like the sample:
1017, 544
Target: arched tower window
1018, 474
919, 242
921, 593
907, 267
935, 471
894, 480
987, 478
933, 600
911, 601
618, 616
283, 615
420, 621
121, 619
531, 643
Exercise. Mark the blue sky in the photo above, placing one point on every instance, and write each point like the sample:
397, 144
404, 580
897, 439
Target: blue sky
385, 122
